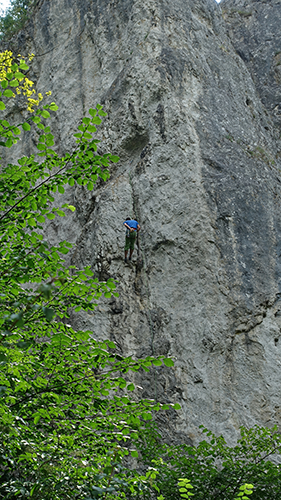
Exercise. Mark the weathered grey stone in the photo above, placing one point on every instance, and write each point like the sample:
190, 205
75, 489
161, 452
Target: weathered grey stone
254, 29
199, 169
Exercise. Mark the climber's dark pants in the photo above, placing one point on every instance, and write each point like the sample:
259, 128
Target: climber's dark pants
130, 241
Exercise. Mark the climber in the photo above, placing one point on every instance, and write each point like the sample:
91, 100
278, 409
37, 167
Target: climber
132, 228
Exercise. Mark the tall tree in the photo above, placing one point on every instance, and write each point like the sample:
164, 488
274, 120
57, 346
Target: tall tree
66, 418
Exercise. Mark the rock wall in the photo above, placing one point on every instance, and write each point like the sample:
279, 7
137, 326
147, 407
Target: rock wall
254, 30
200, 170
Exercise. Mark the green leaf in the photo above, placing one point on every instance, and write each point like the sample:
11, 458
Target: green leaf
64, 250
4, 84
147, 416
61, 189
45, 113
49, 313
26, 126
14, 83
32, 222
2, 106
157, 362
33, 489
92, 112
111, 285
23, 65
168, 362
18, 319
53, 106
114, 159
71, 182
90, 186
88, 272
8, 93
96, 120
111, 345
131, 387
3, 357
51, 216
3, 388
177, 406
19, 75
70, 207
134, 453
92, 129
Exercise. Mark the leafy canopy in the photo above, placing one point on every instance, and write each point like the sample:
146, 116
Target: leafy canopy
215, 470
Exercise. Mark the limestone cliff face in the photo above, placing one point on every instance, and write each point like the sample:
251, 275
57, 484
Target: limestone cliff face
254, 29
199, 169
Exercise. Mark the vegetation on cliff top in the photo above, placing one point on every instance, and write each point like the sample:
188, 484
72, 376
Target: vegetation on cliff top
15, 17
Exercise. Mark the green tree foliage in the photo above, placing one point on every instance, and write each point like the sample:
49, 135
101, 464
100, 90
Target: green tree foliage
15, 17
244, 491
214, 469
67, 419
184, 486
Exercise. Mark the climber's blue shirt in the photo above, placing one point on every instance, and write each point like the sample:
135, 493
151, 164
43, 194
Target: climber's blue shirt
131, 223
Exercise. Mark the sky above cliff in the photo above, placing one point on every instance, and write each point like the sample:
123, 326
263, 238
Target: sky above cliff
4, 4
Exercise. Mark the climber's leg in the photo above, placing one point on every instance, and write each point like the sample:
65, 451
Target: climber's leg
132, 244
127, 246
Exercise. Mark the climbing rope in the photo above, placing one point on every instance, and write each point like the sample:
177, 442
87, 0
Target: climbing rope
135, 215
